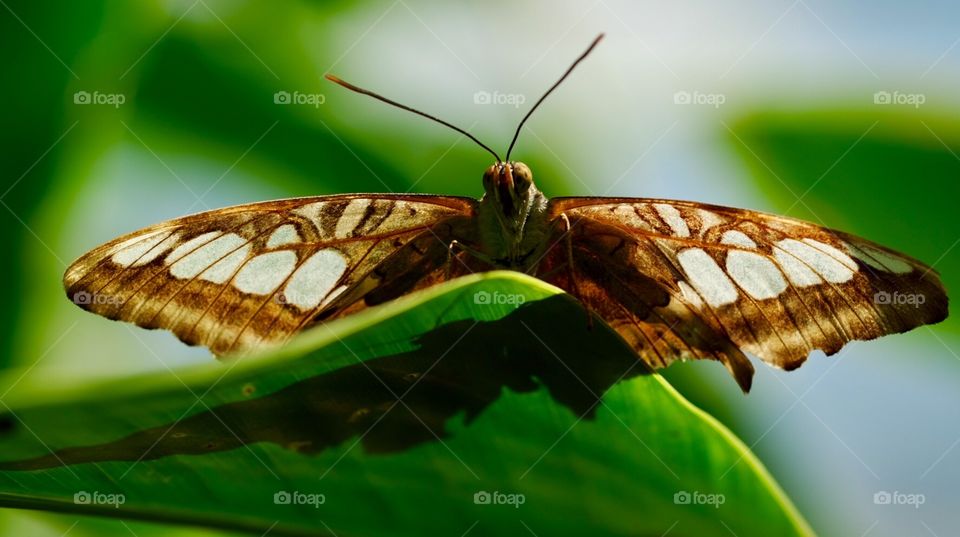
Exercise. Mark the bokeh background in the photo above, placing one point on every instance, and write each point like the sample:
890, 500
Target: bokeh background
120, 114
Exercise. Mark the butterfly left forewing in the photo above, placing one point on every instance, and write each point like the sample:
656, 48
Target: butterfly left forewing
237, 278
686, 280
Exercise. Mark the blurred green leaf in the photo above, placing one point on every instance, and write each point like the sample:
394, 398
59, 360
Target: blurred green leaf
230, 106
34, 79
494, 398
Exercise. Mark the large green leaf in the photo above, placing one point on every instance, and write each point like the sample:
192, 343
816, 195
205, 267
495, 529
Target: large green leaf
495, 397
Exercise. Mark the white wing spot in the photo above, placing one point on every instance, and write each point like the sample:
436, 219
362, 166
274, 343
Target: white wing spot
351, 217
143, 249
283, 235
223, 270
707, 277
333, 295
690, 294
203, 257
737, 238
756, 274
805, 265
315, 278
264, 273
627, 215
406, 214
879, 259
190, 245
672, 217
312, 212
708, 219
798, 273
839, 255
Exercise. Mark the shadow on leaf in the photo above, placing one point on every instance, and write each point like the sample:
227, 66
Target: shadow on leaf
458, 368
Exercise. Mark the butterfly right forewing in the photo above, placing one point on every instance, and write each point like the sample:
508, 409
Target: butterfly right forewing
685, 280
238, 278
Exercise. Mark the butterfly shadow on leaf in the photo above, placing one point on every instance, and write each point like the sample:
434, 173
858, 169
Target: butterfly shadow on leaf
459, 368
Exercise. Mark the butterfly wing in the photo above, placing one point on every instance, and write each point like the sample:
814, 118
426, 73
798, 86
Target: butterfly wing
681, 280
237, 278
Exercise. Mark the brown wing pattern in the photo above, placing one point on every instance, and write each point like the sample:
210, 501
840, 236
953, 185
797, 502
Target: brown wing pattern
681, 280
237, 278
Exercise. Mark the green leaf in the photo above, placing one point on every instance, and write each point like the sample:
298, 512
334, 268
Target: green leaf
495, 396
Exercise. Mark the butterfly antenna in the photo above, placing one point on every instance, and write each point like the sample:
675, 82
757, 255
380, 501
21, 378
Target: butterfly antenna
549, 91
378, 97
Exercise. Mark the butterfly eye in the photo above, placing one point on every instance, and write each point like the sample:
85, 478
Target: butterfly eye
488, 177
522, 182
522, 177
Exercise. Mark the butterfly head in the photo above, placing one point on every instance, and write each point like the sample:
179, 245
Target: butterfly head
510, 185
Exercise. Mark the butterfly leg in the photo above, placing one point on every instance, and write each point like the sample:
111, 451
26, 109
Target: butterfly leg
571, 269
455, 248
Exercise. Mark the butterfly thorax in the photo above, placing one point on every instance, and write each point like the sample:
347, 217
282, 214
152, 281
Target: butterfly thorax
512, 216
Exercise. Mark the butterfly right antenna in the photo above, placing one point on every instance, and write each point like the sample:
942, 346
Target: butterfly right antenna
549, 91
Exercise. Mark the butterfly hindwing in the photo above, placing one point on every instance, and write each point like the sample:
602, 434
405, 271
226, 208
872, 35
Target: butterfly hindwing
684, 280
237, 278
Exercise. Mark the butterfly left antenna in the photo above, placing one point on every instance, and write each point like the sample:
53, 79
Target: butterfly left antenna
357, 89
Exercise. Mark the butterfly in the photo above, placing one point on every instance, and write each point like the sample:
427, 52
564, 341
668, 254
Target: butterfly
677, 280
